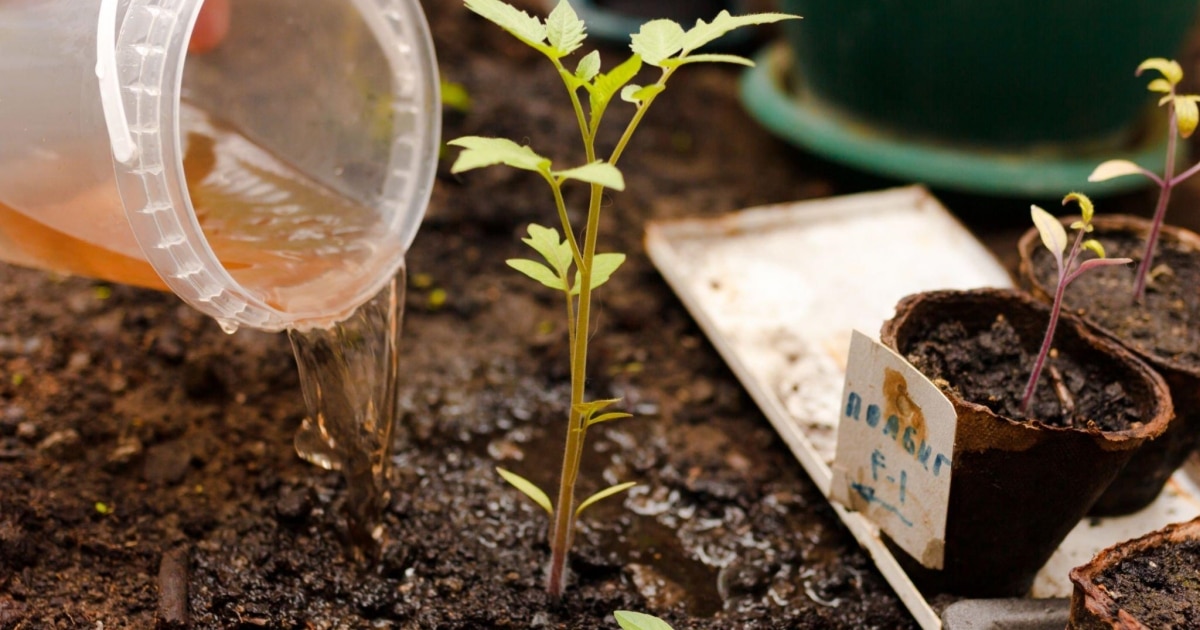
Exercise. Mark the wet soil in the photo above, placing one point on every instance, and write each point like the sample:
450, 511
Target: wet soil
1159, 586
1167, 322
147, 474
991, 367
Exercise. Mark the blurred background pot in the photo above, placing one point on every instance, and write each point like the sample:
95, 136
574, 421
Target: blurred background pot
951, 92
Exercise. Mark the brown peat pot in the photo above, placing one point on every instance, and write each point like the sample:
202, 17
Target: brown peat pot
1163, 331
1020, 485
1142, 584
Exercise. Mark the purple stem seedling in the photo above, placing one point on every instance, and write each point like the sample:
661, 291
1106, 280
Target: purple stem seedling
1182, 118
1054, 237
666, 46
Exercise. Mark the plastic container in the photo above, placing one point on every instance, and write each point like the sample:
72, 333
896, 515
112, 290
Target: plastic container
99, 110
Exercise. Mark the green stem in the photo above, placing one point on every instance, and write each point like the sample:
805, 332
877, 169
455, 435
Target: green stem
564, 513
637, 118
589, 139
561, 205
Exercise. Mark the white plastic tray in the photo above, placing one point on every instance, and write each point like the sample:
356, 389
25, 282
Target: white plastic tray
778, 290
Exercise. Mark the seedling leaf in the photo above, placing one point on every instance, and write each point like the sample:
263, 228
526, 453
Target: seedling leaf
1094, 246
704, 32
546, 242
479, 152
657, 40
708, 58
607, 85
601, 173
1054, 235
629, 620
1092, 263
528, 488
589, 66
589, 408
1169, 68
564, 30
1186, 115
1113, 169
603, 266
608, 417
537, 271
523, 26
1086, 208
1159, 85
603, 494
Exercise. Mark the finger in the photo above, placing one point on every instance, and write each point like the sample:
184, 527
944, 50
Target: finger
211, 26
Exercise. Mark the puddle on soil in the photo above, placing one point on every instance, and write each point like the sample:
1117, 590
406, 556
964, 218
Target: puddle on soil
656, 560
349, 376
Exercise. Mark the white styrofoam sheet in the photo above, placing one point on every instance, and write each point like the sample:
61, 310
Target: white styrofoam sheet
779, 289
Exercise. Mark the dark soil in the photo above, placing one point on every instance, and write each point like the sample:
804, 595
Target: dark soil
146, 466
1160, 586
991, 367
1166, 324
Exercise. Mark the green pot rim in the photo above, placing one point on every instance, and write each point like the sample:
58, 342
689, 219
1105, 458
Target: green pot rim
1042, 171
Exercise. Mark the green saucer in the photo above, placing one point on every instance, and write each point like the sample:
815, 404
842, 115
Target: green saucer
1047, 171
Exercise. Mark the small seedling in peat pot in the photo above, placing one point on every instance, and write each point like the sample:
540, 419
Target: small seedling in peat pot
663, 44
1182, 118
1054, 237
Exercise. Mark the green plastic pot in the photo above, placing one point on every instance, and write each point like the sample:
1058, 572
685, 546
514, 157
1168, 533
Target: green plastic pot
1008, 97
1005, 73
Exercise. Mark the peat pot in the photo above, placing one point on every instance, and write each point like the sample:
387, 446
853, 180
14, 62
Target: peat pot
1164, 331
1141, 584
1019, 484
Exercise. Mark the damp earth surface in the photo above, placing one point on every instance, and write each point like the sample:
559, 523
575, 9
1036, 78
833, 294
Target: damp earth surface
147, 469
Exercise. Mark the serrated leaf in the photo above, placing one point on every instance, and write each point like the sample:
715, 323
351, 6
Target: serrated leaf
1114, 168
607, 85
601, 173
603, 494
537, 271
705, 32
1086, 208
1186, 115
629, 620
1159, 85
1054, 236
608, 417
589, 66
555, 250
708, 58
564, 30
525, 27
603, 266
479, 152
1095, 247
528, 488
657, 40
1168, 68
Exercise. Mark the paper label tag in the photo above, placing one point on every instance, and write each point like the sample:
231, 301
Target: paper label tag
895, 440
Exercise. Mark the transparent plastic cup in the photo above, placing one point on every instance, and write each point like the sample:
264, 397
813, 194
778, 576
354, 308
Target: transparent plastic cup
98, 103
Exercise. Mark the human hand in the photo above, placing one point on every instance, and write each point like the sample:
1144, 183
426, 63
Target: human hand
211, 26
